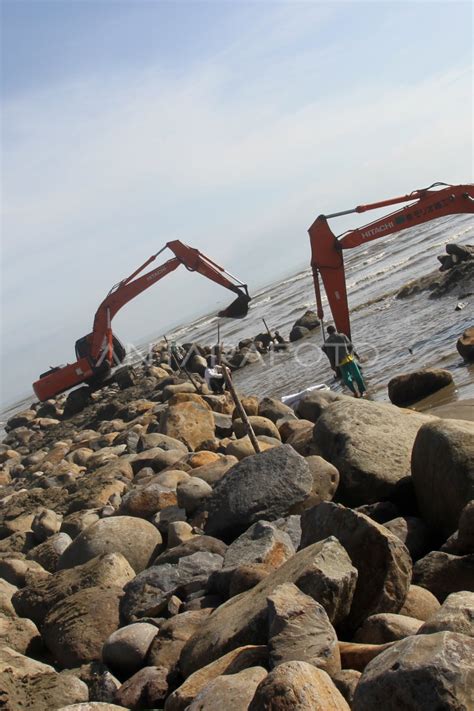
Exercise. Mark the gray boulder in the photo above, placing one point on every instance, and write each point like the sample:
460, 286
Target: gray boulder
323, 571
263, 486
370, 444
382, 561
148, 594
440, 447
420, 673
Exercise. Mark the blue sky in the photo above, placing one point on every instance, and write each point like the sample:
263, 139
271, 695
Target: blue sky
229, 125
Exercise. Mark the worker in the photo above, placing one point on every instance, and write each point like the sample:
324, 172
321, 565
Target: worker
340, 352
214, 376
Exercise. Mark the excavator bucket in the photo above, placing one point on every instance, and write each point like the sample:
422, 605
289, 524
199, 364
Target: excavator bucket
237, 309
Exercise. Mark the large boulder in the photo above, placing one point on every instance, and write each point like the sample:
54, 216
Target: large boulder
148, 594
325, 481
33, 686
323, 571
383, 562
47, 554
370, 444
297, 685
166, 647
308, 320
386, 627
443, 471
147, 689
263, 486
262, 543
237, 660
312, 405
465, 344
300, 630
137, 540
19, 634
260, 425
419, 603
456, 614
410, 387
233, 691
188, 422
420, 673
42, 594
274, 409
125, 650
76, 628
442, 573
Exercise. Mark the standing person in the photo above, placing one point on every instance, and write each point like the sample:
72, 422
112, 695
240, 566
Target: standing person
340, 353
214, 376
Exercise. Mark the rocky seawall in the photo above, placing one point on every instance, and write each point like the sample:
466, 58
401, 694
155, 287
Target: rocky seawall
149, 559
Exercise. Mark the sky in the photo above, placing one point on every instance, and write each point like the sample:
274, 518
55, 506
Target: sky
228, 125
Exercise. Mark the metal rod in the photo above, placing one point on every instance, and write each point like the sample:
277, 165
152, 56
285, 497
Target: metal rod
241, 411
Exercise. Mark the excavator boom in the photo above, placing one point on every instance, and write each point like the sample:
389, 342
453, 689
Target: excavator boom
97, 352
327, 250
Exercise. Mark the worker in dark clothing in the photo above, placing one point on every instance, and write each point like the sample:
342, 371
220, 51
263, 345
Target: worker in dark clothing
340, 353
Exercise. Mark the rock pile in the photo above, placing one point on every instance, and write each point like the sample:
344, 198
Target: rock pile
150, 559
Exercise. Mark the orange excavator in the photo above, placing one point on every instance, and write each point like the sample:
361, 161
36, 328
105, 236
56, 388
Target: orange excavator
438, 200
100, 350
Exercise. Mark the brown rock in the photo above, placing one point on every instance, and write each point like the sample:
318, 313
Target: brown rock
40, 596
322, 571
147, 689
386, 627
19, 634
382, 561
356, 656
233, 691
166, 647
76, 628
299, 630
420, 673
370, 444
419, 603
32, 686
231, 663
443, 446
297, 685
189, 422
443, 574
456, 614
260, 425
137, 540
409, 388
465, 344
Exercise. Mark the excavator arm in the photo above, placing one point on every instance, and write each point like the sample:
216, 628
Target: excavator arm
327, 250
95, 352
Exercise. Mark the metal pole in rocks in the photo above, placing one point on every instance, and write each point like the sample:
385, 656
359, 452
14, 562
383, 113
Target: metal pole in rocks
241, 411
183, 370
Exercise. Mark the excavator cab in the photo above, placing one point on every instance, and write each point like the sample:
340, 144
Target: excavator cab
83, 350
